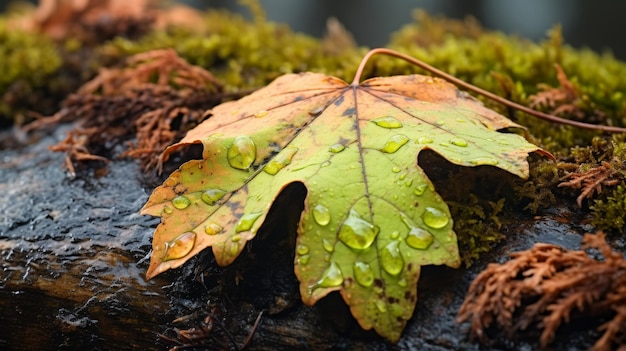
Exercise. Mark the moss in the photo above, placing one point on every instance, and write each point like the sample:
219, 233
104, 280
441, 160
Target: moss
243, 54
28, 62
517, 69
610, 213
477, 226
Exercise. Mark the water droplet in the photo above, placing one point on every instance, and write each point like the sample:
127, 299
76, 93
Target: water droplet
180, 246
246, 221
321, 215
213, 228
394, 143
424, 140
479, 161
211, 196
435, 218
458, 142
316, 111
234, 249
395, 234
387, 122
395, 169
419, 238
402, 283
181, 202
167, 209
280, 161
391, 259
403, 176
363, 273
408, 183
260, 114
461, 120
332, 277
440, 122
235, 238
420, 189
242, 153
381, 306
302, 249
304, 259
328, 246
336, 148
357, 233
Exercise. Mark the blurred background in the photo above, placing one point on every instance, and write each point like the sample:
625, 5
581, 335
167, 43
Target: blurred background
598, 24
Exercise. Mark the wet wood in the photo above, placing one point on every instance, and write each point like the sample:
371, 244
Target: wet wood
73, 256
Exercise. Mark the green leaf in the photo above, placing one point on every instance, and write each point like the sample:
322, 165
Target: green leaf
372, 217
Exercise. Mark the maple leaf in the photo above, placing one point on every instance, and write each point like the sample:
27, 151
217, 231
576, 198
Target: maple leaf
372, 217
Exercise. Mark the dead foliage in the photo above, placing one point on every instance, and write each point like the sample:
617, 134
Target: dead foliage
547, 286
591, 180
564, 101
154, 101
94, 21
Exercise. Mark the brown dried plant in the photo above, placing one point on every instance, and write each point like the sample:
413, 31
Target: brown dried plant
591, 180
547, 286
155, 100
564, 101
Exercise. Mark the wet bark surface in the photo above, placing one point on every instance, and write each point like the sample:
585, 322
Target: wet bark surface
73, 254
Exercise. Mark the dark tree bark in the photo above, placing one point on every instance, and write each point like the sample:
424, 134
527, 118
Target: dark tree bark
74, 252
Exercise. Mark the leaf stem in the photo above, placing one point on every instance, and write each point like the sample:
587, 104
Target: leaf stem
477, 90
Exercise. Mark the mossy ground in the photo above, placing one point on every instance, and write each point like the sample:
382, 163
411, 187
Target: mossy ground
242, 54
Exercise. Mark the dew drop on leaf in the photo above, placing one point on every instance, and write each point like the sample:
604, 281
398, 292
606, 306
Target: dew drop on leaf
394, 143
363, 274
321, 215
213, 228
246, 221
242, 153
181, 202
387, 122
381, 306
435, 218
479, 161
424, 140
332, 277
304, 259
280, 161
260, 114
211, 196
302, 249
420, 189
328, 246
357, 233
458, 142
167, 210
395, 234
180, 246
395, 169
316, 111
419, 238
336, 148
402, 283
391, 259
235, 238
234, 248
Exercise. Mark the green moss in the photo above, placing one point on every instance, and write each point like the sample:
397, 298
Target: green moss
477, 226
27, 62
515, 68
609, 214
243, 54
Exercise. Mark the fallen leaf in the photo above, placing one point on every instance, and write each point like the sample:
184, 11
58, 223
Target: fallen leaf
372, 217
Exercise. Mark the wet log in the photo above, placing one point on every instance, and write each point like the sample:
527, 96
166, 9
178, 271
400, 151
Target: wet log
73, 254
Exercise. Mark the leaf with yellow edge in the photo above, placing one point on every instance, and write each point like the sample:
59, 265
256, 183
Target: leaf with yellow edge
372, 217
